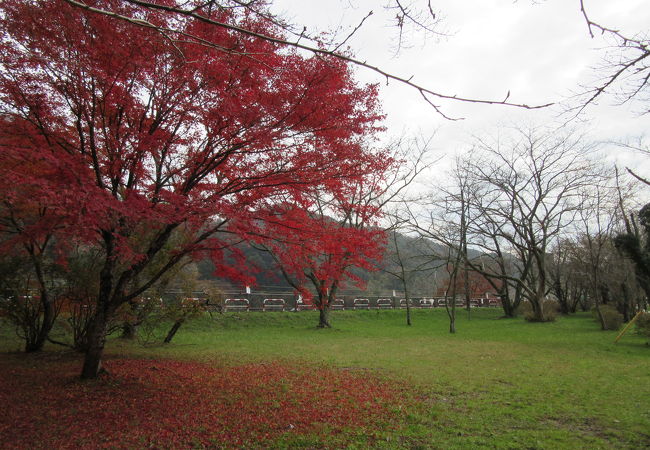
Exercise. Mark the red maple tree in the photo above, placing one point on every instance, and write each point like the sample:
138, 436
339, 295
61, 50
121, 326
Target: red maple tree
320, 238
32, 212
171, 144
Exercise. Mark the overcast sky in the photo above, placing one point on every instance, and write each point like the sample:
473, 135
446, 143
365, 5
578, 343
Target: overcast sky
540, 51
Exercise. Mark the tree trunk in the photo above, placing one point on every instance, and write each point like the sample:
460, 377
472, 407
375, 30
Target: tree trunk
408, 313
538, 309
36, 343
408, 300
451, 312
508, 309
463, 245
324, 317
32, 346
582, 300
130, 327
96, 340
509, 304
604, 292
466, 285
129, 331
627, 310
538, 301
601, 318
562, 297
173, 330
574, 300
325, 299
452, 316
96, 333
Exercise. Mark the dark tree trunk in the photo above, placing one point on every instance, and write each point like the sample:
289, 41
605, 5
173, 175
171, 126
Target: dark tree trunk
33, 346
583, 301
96, 340
562, 297
129, 331
601, 318
627, 310
509, 304
408, 300
508, 310
36, 342
574, 300
173, 330
452, 316
325, 299
408, 312
538, 309
324, 317
468, 305
97, 328
451, 311
537, 301
604, 293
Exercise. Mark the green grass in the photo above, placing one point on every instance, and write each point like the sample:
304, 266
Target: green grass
495, 383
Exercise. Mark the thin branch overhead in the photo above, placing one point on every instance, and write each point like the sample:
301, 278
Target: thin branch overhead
626, 68
427, 93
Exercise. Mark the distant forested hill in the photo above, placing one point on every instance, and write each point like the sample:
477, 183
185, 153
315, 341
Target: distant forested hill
423, 261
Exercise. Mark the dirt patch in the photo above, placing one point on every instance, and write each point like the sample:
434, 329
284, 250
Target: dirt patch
587, 426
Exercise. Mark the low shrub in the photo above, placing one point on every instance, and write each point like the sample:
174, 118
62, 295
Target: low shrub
642, 325
550, 310
611, 317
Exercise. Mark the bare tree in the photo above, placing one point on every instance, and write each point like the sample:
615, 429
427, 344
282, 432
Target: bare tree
421, 258
529, 189
442, 217
597, 221
453, 220
453, 260
568, 280
585, 267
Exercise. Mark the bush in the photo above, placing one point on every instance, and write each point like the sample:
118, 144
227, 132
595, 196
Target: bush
550, 309
642, 324
612, 318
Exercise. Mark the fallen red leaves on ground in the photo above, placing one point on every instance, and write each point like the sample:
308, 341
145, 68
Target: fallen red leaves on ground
172, 404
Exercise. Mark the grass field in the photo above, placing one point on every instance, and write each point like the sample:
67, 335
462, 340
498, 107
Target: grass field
495, 383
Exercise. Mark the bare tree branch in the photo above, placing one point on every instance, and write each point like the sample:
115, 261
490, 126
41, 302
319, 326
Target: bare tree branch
427, 93
628, 67
638, 177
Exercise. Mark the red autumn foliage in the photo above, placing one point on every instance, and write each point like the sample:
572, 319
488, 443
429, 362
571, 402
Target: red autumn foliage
170, 148
172, 404
324, 234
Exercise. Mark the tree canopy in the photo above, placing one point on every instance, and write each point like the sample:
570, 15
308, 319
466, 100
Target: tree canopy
169, 148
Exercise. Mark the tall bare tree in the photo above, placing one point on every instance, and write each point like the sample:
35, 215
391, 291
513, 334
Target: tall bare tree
528, 189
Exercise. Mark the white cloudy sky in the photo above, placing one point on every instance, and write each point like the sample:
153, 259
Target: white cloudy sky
539, 50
